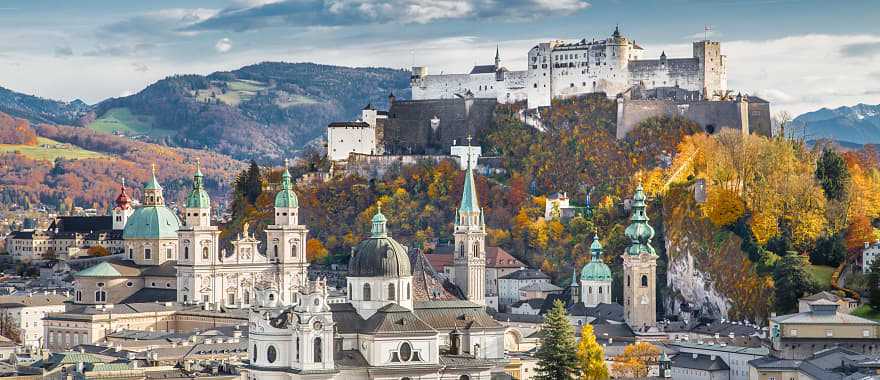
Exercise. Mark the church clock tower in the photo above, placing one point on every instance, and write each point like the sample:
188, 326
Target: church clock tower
470, 242
640, 269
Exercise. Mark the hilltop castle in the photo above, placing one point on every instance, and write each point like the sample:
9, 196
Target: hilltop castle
614, 65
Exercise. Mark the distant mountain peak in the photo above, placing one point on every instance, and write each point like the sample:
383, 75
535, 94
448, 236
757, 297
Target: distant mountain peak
859, 124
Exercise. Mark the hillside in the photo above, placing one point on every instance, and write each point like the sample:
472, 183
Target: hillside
264, 111
859, 124
69, 166
39, 110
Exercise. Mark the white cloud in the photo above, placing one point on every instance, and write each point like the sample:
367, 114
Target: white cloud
223, 45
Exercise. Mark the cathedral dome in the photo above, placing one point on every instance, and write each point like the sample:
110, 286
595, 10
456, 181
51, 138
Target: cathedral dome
286, 198
379, 255
596, 270
151, 222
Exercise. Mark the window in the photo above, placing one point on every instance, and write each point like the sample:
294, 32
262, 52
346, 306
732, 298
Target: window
129, 284
230, 299
829, 333
589, 290
464, 377
186, 253
866, 333
79, 297
317, 349
391, 292
275, 251
405, 352
271, 296
100, 296
168, 253
644, 280
408, 286
297, 349
349, 292
271, 354
627, 281
148, 254
254, 360
600, 290
793, 332
205, 253
246, 297
366, 292
131, 253
293, 250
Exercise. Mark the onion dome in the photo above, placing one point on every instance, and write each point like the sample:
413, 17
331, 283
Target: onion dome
379, 255
286, 198
153, 220
198, 197
596, 270
639, 231
123, 202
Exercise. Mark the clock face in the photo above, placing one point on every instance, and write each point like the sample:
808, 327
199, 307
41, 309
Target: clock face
317, 325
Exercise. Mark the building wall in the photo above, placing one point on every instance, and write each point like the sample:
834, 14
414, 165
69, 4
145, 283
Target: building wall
712, 116
508, 290
738, 362
30, 322
639, 302
341, 141
116, 289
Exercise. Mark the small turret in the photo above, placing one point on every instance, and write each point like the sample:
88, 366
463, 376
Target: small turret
198, 203
153, 191
286, 202
122, 210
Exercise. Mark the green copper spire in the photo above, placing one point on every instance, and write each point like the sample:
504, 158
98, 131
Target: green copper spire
153, 183
379, 221
198, 197
469, 202
286, 198
639, 231
596, 269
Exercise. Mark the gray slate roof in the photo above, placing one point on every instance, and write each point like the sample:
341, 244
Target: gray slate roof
701, 362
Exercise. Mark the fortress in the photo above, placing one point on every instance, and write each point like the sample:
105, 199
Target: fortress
614, 66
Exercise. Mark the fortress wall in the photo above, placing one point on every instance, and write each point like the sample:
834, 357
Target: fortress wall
684, 73
631, 112
712, 116
448, 85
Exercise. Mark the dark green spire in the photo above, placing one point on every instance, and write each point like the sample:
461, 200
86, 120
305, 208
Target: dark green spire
286, 198
198, 197
639, 231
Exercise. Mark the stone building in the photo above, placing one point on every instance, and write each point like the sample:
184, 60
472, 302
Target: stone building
744, 114
559, 69
640, 269
27, 312
800, 335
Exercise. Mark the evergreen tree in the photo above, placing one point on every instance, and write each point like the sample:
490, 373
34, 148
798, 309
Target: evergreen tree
829, 250
793, 280
591, 356
874, 285
249, 183
832, 174
557, 356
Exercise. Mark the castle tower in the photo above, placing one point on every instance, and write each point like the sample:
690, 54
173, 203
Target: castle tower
286, 241
595, 277
639, 269
122, 210
470, 236
713, 67
199, 247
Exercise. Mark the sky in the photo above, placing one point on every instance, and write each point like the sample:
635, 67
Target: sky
800, 55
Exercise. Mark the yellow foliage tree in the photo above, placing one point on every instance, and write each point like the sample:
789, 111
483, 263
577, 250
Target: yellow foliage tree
97, 251
635, 359
315, 250
764, 226
591, 356
723, 206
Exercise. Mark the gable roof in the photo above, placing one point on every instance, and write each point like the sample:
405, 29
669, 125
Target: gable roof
699, 362
393, 318
111, 268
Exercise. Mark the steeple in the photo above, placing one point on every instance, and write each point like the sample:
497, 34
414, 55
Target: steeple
286, 203
639, 231
153, 191
497, 57
379, 221
469, 212
198, 197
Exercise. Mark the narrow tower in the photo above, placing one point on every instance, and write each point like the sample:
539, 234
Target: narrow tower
198, 248
122, 210
286, 241
595, 277
640, 269
470, 237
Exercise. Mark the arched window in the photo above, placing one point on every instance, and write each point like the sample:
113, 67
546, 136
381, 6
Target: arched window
476, 249
628, 281
600, 290
271, 354
644, 280
589, 290
186, 253
205, 253
408, 291
293, 250
349, 292
317, 349
297, 349
148, 254
464, 377
131, 253
255, 355
391, 292
366, 292
100, 296
275, 251
79, 296
461, 249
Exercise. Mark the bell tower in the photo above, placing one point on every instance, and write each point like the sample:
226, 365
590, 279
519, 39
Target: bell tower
640, 269
198, 247
470, 241
286, 241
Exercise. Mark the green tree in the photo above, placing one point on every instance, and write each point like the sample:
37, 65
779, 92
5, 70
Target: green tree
829, 250
832, 174
249, 183
874, 285
557, 356
793, 280
591, 356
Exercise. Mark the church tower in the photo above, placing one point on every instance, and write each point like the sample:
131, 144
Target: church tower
122, 210
595, 277
470, 246
640, 269
286, 241
198, 243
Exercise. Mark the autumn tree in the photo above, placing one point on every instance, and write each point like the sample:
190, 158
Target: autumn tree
723, 207
97, 251
858, 233
9, 327
557, 355
793, 280
635, 360
591, 356
315, 250
832, 173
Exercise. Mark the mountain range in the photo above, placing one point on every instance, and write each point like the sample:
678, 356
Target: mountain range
859, 124
264, 111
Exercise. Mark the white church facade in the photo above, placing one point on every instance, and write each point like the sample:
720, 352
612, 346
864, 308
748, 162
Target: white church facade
558, 69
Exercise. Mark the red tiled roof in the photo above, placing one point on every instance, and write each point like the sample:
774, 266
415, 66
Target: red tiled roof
496, 257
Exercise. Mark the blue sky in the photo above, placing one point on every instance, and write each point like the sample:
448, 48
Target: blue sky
801, 55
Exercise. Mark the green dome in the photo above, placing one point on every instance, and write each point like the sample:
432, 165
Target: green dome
151, 222
596, 270
198, 197
286, 198
639, 231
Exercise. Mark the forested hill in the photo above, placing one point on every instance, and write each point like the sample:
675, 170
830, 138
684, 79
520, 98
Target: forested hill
40, 110
263, 111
